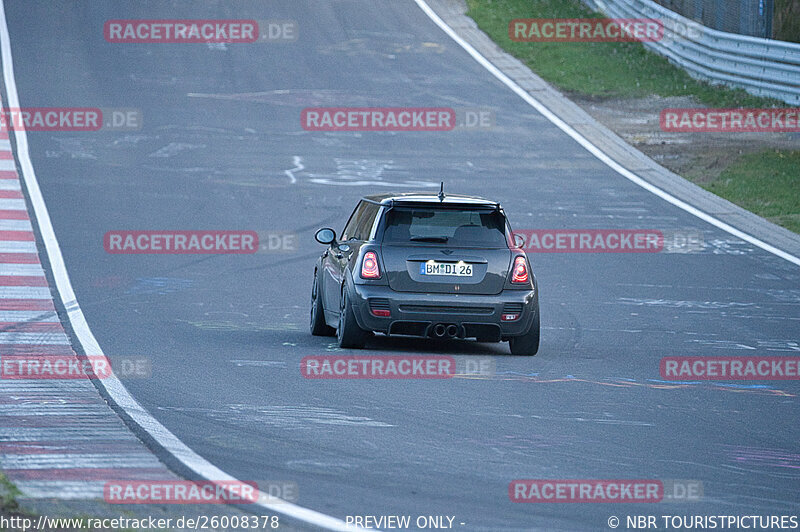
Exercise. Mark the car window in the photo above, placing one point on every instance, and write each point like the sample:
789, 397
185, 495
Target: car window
366, 220
452, 227
350, 229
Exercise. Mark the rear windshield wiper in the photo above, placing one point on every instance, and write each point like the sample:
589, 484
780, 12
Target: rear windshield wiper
437, 239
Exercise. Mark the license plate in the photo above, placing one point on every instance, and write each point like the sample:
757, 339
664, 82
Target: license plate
457, 269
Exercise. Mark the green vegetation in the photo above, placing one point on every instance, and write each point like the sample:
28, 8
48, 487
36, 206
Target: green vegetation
599, 70
8, 495
786, 21
766, 183
9, 506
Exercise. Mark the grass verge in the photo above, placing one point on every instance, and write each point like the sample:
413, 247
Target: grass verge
10, 509
599, 69
766, 183
8, 495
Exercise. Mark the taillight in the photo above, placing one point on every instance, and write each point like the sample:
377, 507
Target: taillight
520, 272
369, 266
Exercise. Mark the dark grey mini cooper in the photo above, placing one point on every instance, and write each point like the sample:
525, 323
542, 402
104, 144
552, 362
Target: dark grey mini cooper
425, 265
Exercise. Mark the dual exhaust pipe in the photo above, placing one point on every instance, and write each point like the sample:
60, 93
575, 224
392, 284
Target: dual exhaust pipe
440, 330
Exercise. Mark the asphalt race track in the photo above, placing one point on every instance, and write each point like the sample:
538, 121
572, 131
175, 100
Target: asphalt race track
221, 147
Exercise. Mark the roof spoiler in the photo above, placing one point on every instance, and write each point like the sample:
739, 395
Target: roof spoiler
423, 204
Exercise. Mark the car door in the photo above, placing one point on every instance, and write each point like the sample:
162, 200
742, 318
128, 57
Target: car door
335, 260
356, 232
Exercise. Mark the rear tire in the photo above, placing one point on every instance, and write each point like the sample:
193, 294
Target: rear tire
349, 334
318, 325
528, 343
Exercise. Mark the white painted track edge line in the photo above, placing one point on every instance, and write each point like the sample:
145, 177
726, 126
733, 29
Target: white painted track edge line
591, 148
114, 387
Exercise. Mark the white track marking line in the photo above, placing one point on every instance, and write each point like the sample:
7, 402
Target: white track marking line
61, 489
16, 225
17, 246
30, 316
25, 292
12, 461
12, 204
34, 338
297, 161
97, 410
27, 434
113, 385
594, 150
27, 270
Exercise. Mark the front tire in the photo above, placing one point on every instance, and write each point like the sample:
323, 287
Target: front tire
528, 343
318, 325
349, 334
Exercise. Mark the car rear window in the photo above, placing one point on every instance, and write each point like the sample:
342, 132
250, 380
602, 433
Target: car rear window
446, 226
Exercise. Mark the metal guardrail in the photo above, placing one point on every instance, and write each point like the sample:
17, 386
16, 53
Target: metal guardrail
762, 67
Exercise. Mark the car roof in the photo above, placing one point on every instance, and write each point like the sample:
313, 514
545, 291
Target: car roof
427, 197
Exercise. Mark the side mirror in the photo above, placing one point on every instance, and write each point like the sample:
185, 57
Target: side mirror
326, 236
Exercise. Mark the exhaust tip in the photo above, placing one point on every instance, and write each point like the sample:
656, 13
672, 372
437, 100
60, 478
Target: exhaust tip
452, 331
439, 330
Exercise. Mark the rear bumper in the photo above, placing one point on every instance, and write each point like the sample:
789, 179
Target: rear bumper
416, 314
